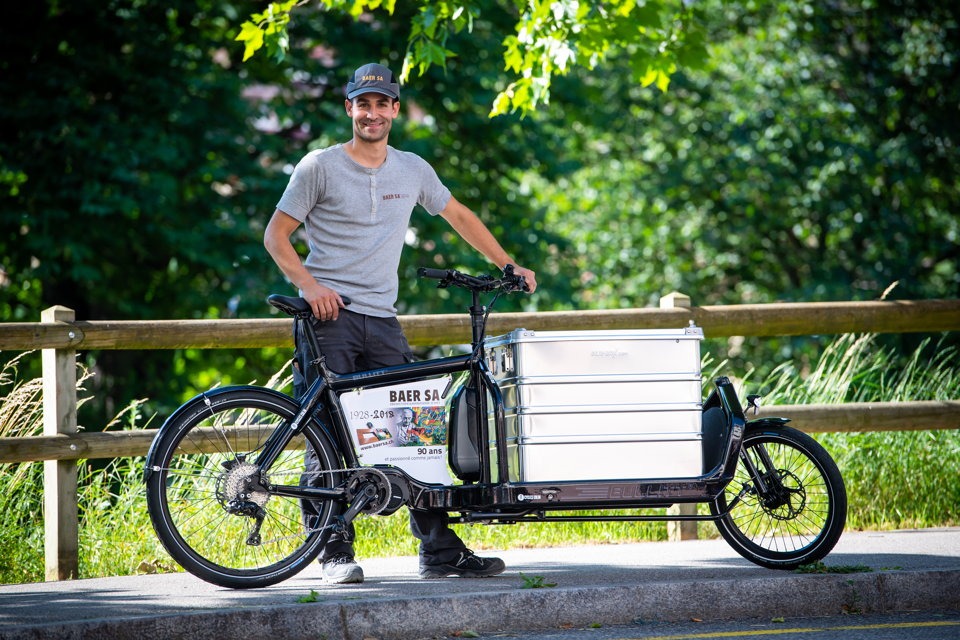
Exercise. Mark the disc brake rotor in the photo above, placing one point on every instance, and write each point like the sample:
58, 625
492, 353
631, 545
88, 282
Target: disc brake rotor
791, 498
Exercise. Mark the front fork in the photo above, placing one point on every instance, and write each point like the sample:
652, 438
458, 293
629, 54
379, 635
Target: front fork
764, 482
767, 482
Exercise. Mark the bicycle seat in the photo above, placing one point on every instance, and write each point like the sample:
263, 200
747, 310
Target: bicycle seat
295, 305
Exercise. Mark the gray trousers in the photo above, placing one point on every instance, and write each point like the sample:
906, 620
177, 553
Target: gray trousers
355, 342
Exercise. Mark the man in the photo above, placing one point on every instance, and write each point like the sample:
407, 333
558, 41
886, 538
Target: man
355, 200
404, 427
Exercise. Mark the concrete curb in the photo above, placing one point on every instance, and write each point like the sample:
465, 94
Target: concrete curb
532, 609
598, 584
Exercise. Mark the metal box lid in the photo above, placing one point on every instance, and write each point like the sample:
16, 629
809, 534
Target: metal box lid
516, 336
642, 352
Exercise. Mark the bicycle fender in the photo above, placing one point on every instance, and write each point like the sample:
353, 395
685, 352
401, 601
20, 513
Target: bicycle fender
204, 398
766, 423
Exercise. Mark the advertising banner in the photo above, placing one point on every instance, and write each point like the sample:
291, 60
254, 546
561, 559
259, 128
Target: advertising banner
402, 425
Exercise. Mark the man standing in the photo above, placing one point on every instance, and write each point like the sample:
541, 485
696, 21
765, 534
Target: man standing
355, 200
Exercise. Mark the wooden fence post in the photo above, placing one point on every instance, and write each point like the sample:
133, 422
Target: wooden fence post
683, 529
61, 542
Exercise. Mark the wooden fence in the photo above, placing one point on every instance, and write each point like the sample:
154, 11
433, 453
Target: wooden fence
60, 336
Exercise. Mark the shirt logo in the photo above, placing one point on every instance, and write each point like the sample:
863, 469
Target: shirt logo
395, 196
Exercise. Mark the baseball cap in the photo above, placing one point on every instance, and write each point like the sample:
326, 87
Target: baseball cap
374, 78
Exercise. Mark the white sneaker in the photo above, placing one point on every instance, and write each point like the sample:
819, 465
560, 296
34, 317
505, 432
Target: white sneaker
341, 569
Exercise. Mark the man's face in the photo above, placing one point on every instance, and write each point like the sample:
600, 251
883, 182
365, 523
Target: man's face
372, 115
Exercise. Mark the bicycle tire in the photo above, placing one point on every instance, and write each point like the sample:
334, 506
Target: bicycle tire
802, 526
198, 465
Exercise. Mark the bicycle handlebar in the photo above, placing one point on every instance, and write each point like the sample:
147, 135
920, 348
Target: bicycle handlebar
296, 306
434, 274
451, 277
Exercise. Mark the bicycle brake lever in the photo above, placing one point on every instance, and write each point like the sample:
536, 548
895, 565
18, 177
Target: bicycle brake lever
517, 283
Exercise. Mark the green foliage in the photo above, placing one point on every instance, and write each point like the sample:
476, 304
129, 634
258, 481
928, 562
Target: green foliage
116, 535
815, 158
779, 172
897, 479
535, 582
126, 144
268, 28
21, 503
141, 183
313, 596
549, 38
856, 368
552, 37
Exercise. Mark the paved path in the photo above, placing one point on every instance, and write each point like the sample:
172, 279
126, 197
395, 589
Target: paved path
607, 584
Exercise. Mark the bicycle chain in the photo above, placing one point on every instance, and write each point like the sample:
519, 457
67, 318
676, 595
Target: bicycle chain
308, 531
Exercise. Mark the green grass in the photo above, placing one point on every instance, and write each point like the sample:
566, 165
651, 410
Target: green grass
900, 479
895, 479
21, 500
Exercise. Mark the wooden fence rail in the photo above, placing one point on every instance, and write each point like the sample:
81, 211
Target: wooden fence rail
60, 336
762, 320
822, 418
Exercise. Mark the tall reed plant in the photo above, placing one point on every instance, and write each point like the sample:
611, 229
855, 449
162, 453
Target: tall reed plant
21, 496
115, 536
895, 479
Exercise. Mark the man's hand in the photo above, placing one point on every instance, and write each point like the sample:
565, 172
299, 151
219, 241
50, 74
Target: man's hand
471, 228
529, 276
325, 302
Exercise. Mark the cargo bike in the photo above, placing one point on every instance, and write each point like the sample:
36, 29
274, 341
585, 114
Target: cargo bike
533, 426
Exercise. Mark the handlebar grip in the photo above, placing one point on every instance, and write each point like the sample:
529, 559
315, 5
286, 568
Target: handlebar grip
435, 274
519, 282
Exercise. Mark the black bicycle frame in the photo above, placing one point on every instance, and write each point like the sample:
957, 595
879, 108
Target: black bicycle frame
493, 498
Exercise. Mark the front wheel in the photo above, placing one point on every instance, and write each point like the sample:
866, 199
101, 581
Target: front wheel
787, 502
209, 506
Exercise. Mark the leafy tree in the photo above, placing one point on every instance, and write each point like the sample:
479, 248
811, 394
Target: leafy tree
142, 161
798, 166
132, 172
549, 38
124, 135
814, 158
801, 165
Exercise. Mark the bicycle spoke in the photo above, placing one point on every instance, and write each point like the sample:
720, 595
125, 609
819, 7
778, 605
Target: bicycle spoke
211, 506
791, 512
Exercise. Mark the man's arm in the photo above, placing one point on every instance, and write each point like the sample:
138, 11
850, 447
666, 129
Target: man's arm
325, 302
472, 229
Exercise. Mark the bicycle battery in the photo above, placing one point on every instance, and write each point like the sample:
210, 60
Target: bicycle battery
462, 451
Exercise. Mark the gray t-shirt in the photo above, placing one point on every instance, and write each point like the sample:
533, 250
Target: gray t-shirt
357, 219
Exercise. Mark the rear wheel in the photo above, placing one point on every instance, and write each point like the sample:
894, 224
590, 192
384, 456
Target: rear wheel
209, 506
789, 504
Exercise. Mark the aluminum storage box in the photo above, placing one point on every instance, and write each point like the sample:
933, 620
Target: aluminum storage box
600, 405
